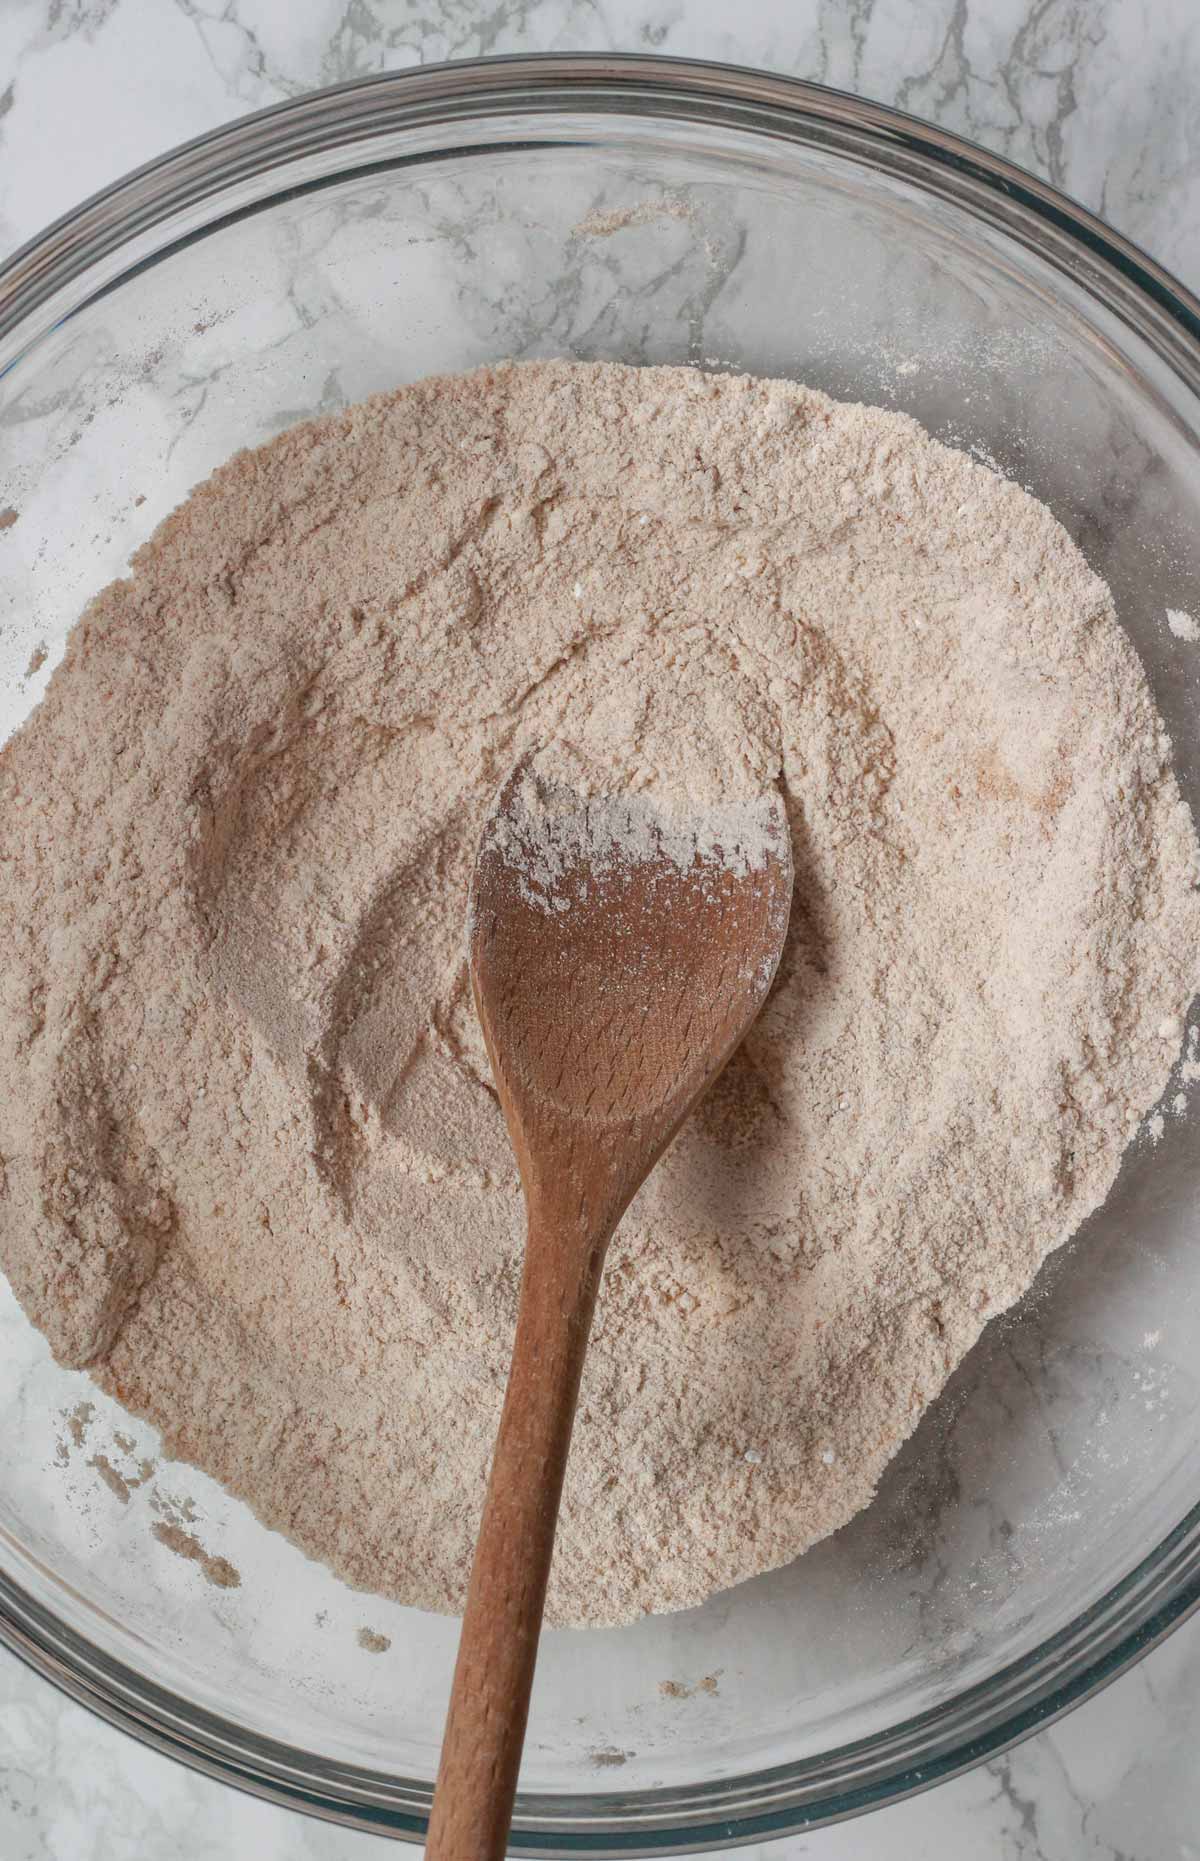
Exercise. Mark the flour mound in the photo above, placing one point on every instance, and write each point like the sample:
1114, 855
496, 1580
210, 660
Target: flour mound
252, 1171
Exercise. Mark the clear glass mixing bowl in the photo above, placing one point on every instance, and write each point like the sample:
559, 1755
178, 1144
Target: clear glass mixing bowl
1040, 1530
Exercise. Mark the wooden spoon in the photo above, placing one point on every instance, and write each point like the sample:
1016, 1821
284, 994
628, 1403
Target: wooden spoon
613, 982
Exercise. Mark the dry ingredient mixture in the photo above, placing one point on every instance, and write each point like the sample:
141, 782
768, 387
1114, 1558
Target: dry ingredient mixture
546, 829
252, 1170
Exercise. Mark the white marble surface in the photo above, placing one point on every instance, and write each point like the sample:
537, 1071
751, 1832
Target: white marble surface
1096, 94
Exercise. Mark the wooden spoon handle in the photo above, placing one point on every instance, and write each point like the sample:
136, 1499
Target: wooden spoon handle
489, 1702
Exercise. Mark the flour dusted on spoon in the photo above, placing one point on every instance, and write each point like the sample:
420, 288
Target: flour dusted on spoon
549, 831
253, 1174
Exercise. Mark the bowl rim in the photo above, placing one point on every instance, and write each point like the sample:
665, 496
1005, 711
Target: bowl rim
1164, 1588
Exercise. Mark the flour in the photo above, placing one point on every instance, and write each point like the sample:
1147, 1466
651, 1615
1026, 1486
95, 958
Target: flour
547, 830
215, 1570
253, 1174
600, 225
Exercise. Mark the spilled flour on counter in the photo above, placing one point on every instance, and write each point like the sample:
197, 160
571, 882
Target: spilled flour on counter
253, 1174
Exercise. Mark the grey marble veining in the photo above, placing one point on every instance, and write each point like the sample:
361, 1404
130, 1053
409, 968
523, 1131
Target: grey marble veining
1098, 95
1095, 94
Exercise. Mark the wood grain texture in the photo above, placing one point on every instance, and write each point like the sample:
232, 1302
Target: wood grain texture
605, 1019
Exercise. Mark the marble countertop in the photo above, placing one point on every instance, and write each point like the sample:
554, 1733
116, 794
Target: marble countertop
1098, 95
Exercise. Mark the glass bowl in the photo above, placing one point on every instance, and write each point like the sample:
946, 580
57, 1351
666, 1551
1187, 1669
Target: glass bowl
1041, 1529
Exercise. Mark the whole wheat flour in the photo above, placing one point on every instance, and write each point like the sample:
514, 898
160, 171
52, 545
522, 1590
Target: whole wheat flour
547, 830
252, 1170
